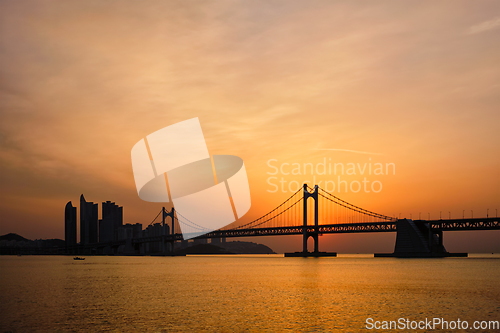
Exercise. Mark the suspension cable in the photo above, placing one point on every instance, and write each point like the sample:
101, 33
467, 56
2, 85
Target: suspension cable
356, 208
296, 202
185, 218
156, 217
194, 227
257, 220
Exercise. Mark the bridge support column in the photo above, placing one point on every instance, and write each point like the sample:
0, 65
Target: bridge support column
306, 232
167, 245
419, 239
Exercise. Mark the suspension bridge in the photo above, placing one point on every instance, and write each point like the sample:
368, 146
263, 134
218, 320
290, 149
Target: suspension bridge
312, 212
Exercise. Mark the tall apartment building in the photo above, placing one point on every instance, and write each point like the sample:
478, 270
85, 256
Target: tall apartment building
88, 222
112, 219
70, 224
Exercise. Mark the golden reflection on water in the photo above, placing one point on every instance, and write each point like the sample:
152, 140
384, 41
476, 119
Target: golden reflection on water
236, 293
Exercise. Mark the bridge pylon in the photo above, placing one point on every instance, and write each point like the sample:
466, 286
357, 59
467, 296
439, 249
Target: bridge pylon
310, 232
165, 230
305, 232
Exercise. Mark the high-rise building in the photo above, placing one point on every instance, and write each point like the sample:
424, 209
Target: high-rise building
129, 231
137, 230
70, 224
153, 230
88, 221
112, 220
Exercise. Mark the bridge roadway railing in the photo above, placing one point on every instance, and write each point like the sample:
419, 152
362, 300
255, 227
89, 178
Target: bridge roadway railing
385, 226
492, 223
277, 231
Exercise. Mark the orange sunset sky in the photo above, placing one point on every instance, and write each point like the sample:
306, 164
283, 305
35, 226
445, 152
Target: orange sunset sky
414, 83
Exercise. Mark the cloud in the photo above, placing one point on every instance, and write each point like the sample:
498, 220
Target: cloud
484, 26
351, 151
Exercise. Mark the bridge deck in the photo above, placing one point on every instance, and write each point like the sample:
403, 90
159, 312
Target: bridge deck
444, 225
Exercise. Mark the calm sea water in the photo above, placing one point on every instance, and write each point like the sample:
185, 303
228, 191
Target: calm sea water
241, 293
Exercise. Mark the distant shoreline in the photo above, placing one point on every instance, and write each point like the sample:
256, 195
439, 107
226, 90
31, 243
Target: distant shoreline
14, 244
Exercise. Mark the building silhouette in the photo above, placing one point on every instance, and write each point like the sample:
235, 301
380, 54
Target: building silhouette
112, 220
88, 222
154, 230
70, 224
109, 235
129, 231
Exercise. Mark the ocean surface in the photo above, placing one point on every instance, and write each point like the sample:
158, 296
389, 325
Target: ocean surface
242, 293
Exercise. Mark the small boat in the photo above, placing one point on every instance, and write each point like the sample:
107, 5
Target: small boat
78, 258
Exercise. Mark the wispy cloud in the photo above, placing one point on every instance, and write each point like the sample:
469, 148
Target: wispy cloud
350, 151
484, 26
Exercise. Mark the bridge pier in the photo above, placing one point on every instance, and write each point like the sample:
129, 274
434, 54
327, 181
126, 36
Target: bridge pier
310, 232
419, 239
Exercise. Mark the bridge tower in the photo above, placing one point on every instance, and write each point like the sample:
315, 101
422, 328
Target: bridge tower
306, 233
310, 231
165, 232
